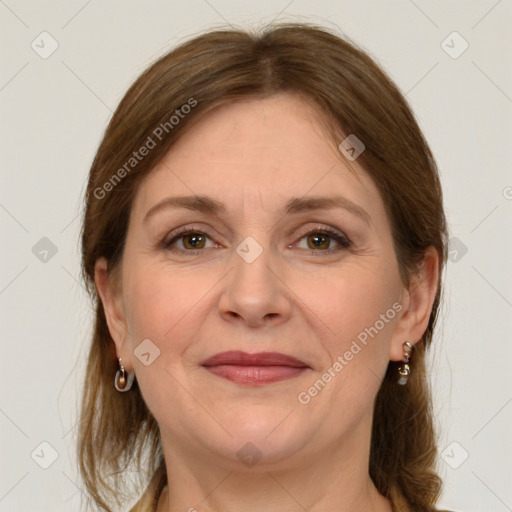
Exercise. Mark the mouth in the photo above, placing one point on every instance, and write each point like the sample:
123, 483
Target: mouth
254, 369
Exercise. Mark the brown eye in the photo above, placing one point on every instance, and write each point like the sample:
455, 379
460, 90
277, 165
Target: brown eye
193, 241
189, 241
320, 241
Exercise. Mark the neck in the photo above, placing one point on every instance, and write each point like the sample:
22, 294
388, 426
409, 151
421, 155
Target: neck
336, 479
258, 497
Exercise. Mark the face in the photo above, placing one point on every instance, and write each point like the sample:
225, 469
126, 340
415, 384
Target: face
270, 271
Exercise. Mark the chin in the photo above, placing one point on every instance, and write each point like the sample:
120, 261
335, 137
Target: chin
273, 435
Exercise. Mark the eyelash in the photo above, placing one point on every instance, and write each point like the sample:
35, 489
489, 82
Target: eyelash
341, 239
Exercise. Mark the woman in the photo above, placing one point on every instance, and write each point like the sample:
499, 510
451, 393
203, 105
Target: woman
263, 240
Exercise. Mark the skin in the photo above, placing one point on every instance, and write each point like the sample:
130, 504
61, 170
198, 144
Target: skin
294, 298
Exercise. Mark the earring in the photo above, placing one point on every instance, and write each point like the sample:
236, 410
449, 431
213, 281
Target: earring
123, 380
404, 370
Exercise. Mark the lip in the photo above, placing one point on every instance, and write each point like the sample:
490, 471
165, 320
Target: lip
254, 369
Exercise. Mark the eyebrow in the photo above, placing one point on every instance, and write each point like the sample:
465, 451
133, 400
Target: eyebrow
295, 205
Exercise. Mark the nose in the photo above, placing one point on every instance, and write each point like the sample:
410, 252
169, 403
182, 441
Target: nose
255, 292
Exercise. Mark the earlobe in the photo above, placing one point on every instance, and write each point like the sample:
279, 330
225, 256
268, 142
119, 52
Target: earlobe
111, 302
421, 295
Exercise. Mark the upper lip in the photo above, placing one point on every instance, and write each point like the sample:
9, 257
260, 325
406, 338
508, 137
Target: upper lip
238, 358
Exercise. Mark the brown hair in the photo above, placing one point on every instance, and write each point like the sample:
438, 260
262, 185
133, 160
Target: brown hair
347, 87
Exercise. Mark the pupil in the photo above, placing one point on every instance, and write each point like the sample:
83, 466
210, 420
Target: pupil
317, 240
193, 239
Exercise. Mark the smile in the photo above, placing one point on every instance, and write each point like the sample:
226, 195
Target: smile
254, 369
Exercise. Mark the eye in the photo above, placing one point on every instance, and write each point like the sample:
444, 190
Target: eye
319, 240
191, 240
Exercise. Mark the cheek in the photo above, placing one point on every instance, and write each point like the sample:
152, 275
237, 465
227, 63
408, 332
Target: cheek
162, 305
168, 308
355, 311
358, 311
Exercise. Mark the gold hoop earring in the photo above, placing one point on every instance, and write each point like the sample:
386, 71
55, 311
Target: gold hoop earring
404, 370
123, 380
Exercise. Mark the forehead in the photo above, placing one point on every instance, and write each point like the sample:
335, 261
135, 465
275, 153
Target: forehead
276, 122
256, 152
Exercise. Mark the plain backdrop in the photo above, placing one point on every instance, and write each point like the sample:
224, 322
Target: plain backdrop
55, 107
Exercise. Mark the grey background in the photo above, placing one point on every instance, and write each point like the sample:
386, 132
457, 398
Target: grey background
54, 111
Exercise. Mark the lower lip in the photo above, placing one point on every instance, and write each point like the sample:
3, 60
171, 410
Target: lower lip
254, 375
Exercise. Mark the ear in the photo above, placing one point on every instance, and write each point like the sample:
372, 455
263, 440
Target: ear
110, 296
417, 304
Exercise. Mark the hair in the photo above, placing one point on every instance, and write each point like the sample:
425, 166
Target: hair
349, 90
